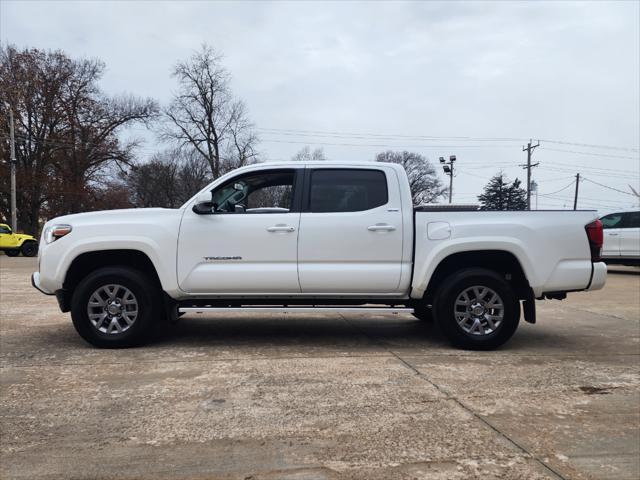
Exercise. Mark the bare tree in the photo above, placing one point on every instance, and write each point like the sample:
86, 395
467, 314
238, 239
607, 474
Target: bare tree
31, 85
305, 154
425, 185
67, 132
92, 150
168, 180
205, 116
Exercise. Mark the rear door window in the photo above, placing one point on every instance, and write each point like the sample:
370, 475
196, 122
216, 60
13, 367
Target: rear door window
631, 220
347, 190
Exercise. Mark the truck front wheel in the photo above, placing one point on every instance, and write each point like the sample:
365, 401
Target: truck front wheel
477, 309
114, 307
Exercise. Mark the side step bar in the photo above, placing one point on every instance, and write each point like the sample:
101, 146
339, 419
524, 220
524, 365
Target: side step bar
295, 309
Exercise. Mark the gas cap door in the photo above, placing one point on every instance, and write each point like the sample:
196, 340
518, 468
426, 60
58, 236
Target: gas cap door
438, 230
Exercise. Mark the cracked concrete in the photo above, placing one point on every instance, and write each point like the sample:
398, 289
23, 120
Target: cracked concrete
322, 397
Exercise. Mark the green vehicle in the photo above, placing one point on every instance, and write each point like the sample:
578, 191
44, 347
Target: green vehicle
12, 244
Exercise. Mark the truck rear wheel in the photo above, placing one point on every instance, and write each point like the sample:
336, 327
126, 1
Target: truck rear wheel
29, 249
477, 309
12, 253
115, 307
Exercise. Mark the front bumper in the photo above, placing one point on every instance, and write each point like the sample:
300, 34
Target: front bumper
61, 295
599, 276
35, 281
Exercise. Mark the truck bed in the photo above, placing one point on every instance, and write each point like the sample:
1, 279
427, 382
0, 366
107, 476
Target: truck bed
556, 239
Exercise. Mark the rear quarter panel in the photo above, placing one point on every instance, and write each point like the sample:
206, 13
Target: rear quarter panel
551, 246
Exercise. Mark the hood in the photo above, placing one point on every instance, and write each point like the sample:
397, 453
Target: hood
126, 215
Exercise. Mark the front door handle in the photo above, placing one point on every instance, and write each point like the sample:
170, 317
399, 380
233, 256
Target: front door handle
280, 228
381, 227
612, 234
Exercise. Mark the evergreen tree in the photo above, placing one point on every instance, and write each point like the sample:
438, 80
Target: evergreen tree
500, 194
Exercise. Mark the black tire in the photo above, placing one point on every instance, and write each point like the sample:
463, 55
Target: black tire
29, 249
12, 253
423, 312
445, 306
149, 307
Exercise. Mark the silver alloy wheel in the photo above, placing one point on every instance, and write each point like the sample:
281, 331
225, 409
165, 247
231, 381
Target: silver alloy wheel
112, 309
479, 310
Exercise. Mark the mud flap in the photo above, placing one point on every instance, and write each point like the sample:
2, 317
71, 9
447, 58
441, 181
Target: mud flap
529, 309
170, 309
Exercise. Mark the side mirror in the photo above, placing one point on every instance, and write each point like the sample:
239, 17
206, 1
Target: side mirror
205, 208
239, 208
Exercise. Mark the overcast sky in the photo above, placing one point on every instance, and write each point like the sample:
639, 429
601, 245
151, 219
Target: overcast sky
561, 72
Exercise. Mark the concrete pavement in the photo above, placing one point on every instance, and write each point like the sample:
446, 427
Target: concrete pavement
322, 397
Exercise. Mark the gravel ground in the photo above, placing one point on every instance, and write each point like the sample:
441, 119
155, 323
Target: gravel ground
322, 397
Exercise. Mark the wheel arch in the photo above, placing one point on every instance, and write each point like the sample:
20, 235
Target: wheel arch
89, 261
502, 262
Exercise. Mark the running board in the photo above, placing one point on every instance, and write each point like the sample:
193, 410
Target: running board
294, 309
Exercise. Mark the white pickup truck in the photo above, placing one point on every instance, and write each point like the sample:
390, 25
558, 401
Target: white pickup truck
317, 236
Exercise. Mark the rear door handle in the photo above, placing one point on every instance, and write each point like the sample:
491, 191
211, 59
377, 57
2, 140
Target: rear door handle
612, 234
381, 227
280, 228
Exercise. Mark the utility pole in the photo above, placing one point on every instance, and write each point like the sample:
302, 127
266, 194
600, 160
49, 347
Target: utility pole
448, 170
575, 199
529, 149
534, 188
12, 140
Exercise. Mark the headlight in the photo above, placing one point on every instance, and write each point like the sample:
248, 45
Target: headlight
54, 232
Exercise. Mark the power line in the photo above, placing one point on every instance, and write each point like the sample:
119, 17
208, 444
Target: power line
551, 180
591, 145
321, 133
472, 174
586, 201
383, 145
634, 172
567, 170
291, 131
591, 204
610, 188
589, 153
557, 191
591, 199
595, 170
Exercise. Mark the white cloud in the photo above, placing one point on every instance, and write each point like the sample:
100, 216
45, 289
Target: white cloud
566, 71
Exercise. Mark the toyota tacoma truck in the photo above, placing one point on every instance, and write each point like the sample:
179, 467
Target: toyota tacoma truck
315, 237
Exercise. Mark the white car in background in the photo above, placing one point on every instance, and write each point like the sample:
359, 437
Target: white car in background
621, 238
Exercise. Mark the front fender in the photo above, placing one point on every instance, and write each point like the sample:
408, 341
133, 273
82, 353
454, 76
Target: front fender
60, 255
24, 238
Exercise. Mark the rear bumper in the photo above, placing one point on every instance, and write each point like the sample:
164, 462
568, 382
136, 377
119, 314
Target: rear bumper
598, 277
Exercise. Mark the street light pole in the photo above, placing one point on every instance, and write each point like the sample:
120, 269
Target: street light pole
448, 170
12, 140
